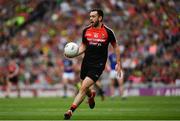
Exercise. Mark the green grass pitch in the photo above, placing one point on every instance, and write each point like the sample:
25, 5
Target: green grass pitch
133, 108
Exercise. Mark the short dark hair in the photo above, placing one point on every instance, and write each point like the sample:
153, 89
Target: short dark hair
99, 11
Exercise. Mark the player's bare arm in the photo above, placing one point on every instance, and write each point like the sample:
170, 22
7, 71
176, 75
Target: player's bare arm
118, 60
82, 48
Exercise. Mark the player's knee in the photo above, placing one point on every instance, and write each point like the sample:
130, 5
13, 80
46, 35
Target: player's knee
83, 89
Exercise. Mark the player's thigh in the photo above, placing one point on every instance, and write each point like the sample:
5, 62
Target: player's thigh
120, 81
87, 83
94, 73
113, 82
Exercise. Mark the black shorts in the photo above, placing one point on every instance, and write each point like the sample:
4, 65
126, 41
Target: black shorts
92, 72
14, 80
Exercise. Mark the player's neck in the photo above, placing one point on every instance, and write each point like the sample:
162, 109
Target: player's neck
99, 25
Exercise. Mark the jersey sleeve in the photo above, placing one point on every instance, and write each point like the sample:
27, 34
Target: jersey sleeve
112, 38
84, 40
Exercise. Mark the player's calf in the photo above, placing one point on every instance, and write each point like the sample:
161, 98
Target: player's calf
91, 100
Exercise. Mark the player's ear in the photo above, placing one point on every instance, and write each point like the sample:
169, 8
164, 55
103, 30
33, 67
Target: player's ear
100, 18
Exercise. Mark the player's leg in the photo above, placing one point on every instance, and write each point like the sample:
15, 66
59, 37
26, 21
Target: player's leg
18, 90
91, 93
91, 88
98, 86
65, 83
15, 81
7, 88
86, 83
94, 73
112, 77
72, 81
112, 88
121, 88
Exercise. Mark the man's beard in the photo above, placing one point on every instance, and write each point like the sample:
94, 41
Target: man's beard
95, 24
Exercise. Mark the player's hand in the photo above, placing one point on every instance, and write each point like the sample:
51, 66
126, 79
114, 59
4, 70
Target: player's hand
69, 56
120, 72
120, 75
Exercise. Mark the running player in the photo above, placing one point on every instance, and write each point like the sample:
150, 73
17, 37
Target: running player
95, 41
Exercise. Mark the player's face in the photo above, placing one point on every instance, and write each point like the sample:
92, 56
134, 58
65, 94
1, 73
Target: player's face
94, 18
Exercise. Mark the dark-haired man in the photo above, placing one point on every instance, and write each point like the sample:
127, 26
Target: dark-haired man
95, 40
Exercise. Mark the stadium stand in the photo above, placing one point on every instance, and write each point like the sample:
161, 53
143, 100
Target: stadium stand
34, 33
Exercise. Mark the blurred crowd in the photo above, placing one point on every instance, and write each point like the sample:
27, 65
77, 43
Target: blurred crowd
34, 32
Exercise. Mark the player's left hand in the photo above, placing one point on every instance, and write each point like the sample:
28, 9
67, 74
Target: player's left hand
120, 72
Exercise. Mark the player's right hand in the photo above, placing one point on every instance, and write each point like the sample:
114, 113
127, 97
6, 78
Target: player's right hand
69, 56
